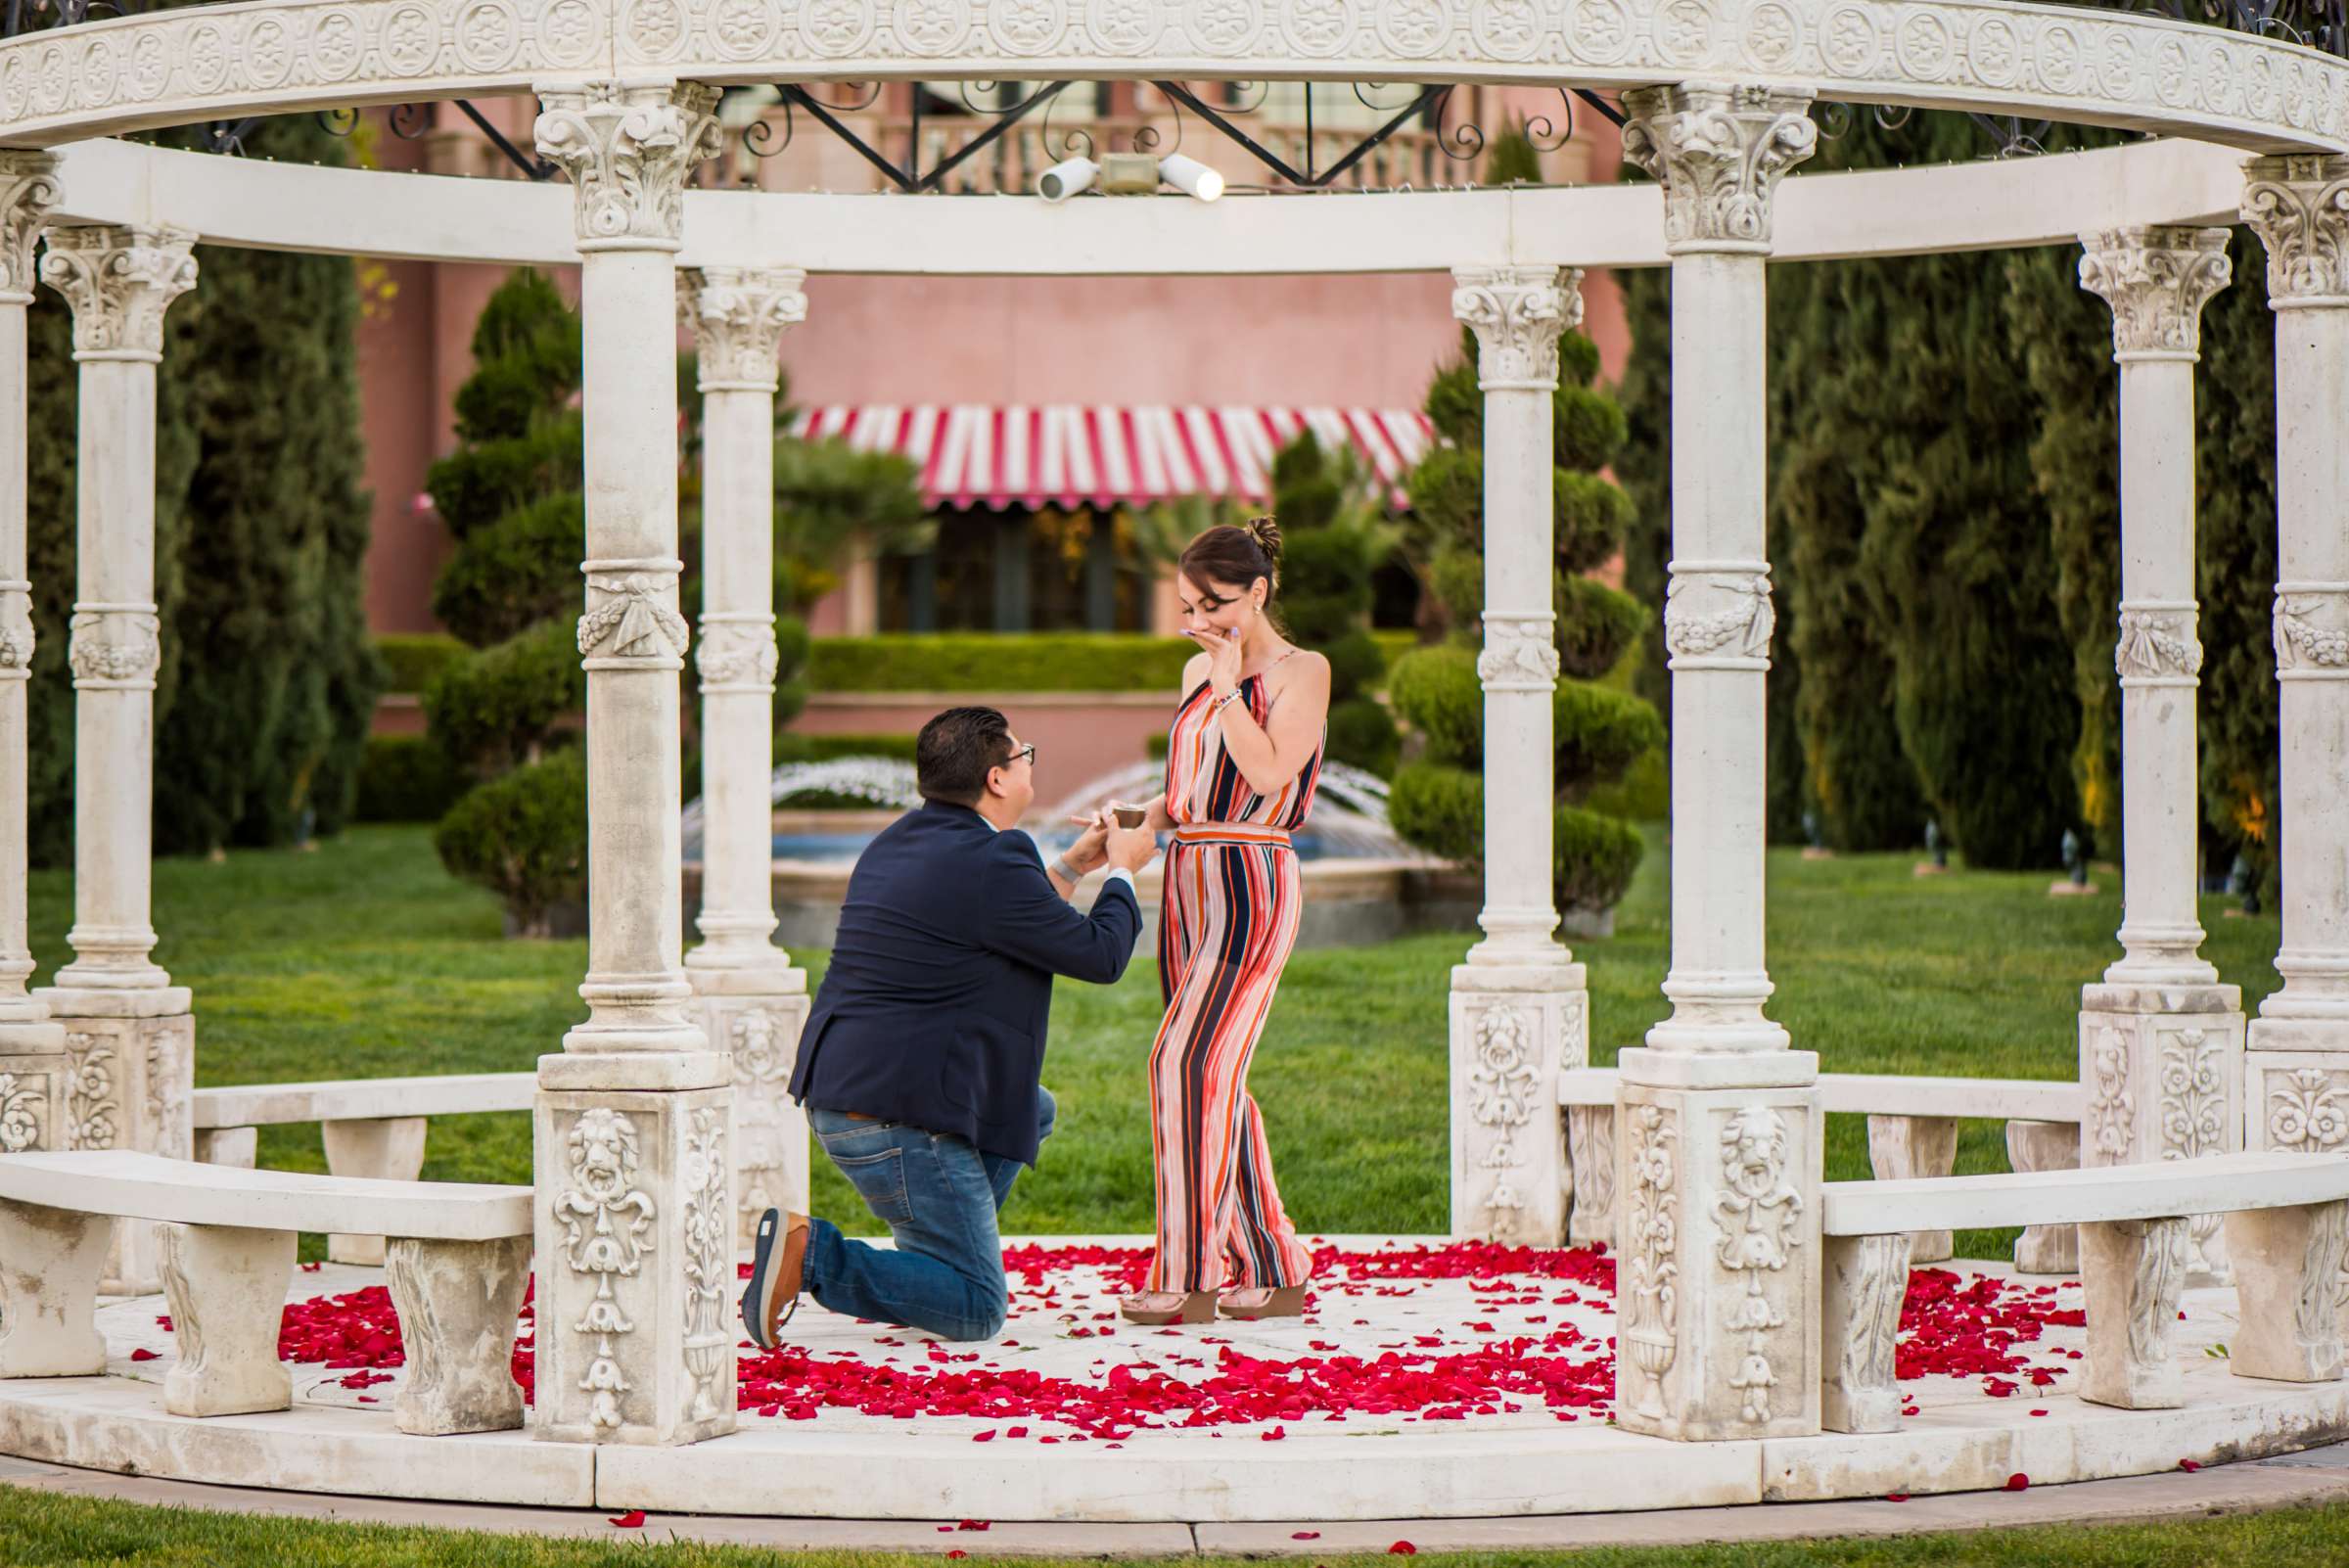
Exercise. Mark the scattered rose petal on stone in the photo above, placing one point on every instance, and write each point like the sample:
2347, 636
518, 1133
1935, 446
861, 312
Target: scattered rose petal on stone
1896, 1496
2189, 1466
634, 1519
2018, 1482
1402, 1549
1305, 1535
142, 1354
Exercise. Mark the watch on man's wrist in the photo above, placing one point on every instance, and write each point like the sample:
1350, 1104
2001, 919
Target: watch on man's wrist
1065, 871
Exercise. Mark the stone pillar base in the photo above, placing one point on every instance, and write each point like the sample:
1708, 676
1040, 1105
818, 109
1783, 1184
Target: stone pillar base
130, 1080
1513, 1030
635, 1296
2298, 1099
34, 1073
756, 1017
2163, 1067
1718, 1262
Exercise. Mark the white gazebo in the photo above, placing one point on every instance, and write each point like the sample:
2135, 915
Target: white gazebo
1756, 1304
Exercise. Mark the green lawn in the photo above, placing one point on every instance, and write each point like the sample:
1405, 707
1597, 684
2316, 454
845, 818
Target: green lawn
43, 1530
363, 959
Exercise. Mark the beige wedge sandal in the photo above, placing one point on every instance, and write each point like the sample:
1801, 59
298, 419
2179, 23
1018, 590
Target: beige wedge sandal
1264, 1301
1151, 1307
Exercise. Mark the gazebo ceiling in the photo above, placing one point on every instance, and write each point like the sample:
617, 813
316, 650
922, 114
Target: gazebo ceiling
2037, 61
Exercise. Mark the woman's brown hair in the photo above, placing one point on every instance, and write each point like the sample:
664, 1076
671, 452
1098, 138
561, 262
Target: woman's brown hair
1241, 555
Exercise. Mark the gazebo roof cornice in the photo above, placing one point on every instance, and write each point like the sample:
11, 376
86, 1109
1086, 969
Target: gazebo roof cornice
2064, 63
1958, 206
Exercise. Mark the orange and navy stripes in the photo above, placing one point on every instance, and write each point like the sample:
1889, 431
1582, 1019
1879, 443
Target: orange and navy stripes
1226, 924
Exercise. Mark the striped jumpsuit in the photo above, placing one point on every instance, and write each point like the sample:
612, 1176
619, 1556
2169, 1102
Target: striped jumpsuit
1226, 927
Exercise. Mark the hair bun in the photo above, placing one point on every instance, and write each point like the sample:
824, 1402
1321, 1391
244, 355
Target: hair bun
1266, 535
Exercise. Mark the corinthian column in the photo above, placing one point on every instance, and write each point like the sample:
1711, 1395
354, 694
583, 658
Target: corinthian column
129, 1036
635, 1119
1718, 1122
32, 1044
2299, 1045
752, 1000
1520, 1009
2161, 1042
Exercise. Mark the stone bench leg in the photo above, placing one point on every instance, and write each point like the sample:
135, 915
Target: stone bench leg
2132, 1271
1591, 1164
457, 1303
2288, 1266
388, 1150
227, 1290
2045, 1146
235, 1146
50, 1263
1899, 1147
1866, 1284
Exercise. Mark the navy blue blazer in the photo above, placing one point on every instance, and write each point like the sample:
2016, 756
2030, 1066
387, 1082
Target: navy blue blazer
932, 1010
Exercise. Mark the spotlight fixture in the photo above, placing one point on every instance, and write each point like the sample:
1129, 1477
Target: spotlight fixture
1128, 175
1189, 175
1065, 178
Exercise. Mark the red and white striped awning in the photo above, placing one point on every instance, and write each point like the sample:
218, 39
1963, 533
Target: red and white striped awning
1070, 454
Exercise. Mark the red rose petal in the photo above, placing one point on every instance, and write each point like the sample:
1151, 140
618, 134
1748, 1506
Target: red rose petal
634, 1519
2017, 1482
2189, 1466
1896, 1496
1305, 1535
1402, 1549
972, 1524
959, 1552
142, 1354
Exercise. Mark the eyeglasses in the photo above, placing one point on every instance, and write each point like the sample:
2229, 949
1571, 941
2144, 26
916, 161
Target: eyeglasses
1026, 753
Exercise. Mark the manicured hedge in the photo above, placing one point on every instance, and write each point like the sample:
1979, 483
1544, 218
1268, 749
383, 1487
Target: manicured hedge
405, 778
411, 659
1592, 856
793, 747
524, 837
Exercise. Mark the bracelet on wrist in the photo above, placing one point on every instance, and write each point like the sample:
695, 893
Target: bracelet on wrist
1065, 871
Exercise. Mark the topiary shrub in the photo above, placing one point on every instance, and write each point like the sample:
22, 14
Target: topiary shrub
405, 778
1333, 538
497, 709
525, 838
412, 658
1599, 731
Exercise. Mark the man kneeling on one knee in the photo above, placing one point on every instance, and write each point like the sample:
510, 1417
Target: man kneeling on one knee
922, 1059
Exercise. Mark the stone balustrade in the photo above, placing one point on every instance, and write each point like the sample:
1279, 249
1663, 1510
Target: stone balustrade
2286, 1226
1911, 1133
456, 1266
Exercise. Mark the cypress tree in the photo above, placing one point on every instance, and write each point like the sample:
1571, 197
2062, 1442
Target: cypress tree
279, 682
2235, 546
1332, 540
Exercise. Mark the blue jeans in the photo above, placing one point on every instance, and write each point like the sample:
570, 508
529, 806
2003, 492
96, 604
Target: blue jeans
939, 1195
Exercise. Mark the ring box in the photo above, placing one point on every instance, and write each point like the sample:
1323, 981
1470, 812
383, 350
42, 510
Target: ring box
1130, 816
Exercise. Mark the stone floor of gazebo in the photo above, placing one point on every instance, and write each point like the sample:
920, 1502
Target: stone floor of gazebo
1430, 1380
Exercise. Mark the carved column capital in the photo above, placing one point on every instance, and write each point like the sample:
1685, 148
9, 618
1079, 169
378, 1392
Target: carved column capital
1719, 151
626, 148
2299, 207
2157, 280
119, 280
29, 191
738, 315
1517, 313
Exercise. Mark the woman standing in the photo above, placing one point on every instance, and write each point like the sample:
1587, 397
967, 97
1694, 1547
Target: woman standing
1242, 758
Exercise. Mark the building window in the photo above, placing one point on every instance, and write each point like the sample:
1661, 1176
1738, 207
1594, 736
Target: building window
1051, 569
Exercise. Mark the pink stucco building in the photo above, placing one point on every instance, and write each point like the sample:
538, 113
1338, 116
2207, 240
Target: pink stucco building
1194, 365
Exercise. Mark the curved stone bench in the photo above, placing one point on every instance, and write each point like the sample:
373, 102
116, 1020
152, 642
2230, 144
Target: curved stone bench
372, 1127
1911, 1133
2287, 1232
457, 1264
